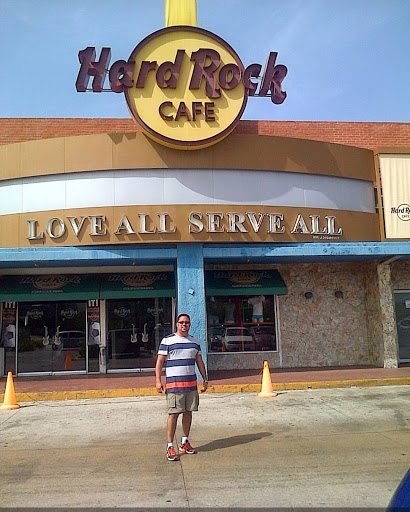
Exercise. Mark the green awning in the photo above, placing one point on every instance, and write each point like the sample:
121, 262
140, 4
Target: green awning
141, 284
244, 282
48, 288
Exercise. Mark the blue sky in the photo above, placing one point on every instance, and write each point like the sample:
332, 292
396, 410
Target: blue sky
347, 60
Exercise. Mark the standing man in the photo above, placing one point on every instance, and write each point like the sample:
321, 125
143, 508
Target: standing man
180, 351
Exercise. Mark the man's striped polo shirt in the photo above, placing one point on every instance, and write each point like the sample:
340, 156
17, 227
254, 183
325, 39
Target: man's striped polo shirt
180, 364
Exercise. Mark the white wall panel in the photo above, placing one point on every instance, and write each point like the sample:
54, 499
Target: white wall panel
89, 190
43, 194
143, 186
176, 186
181, 187
11, 197
241, 187
280, 190
356, 196
327, 193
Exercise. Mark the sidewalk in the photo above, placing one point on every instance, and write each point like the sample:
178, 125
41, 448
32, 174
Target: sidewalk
72, 387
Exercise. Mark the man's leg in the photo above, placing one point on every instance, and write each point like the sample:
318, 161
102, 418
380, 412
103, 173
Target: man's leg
186, 422
186, 427
171, 426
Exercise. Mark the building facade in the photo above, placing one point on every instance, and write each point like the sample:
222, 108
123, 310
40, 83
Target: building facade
277, 241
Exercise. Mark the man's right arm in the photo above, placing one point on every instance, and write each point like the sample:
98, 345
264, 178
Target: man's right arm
158, 373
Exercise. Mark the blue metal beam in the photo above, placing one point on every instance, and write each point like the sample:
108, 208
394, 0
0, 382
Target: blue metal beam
42, 257
307, 252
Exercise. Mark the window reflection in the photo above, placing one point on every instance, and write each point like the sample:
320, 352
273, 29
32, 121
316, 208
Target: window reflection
241, 323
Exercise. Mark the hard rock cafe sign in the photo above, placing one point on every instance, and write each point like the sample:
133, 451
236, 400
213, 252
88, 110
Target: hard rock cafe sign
185, 86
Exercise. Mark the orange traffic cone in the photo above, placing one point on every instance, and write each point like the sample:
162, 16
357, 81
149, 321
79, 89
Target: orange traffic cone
10, 402
267, 389
67, 364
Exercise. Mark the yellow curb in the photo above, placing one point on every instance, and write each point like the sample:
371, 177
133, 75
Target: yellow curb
44, 396
395, 381
289, 386
218, 388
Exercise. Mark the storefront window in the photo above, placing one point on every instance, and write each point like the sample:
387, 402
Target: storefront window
51, 337
402, 307
135, 329
241, 323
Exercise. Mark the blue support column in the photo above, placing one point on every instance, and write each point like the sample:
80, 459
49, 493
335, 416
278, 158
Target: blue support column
191, 290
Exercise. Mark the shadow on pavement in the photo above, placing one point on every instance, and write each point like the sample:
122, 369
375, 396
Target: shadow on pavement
228, 442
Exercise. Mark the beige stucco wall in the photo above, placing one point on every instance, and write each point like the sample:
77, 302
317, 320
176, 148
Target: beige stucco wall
46, 225
135, 151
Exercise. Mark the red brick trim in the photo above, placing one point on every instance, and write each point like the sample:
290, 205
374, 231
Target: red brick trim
361, 134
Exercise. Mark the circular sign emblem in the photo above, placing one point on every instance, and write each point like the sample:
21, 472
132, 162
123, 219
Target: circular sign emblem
244, 277
136, 280
50, 282
35, 314
403, 212
122, 311
189, 91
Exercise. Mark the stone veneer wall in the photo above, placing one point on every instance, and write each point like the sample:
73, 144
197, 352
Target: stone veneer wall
381, 281
400, 271
322, 331
389, 330
373, 313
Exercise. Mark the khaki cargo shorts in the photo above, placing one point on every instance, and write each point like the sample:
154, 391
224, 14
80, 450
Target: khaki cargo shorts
181, 402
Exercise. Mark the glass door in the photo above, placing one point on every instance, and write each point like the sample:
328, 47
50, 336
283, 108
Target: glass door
402, 302
135, 328
51, 337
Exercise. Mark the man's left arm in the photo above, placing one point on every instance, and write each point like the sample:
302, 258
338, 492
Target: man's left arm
202, 371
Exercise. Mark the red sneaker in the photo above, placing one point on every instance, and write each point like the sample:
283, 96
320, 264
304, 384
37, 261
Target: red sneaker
187, 448
172, 454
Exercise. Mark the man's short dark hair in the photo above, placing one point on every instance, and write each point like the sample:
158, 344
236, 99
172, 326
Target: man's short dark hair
183, 314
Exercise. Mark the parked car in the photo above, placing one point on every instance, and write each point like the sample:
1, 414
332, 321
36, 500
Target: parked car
264, 337
215, 338
72, 339
235, 339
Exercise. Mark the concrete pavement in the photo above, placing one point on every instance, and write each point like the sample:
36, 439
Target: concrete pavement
305, 448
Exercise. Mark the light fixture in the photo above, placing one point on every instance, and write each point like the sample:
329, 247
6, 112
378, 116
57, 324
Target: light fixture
339, 294
308, 295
